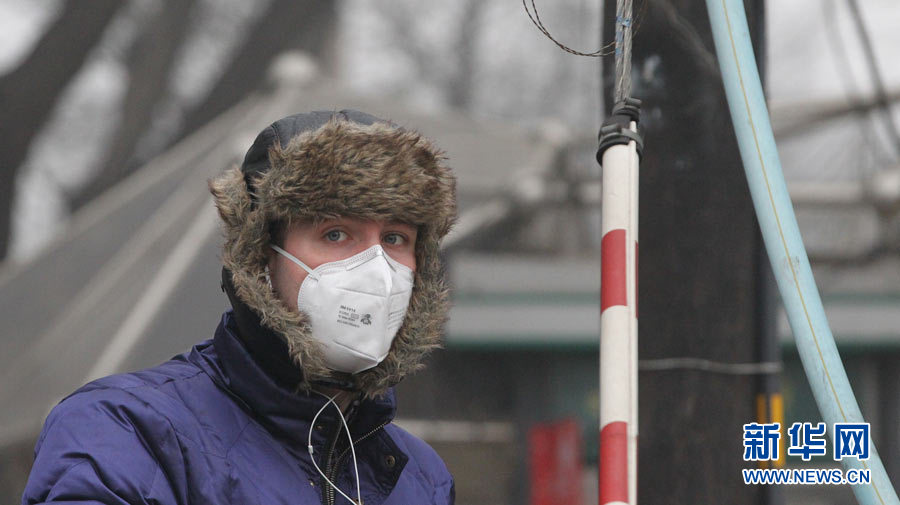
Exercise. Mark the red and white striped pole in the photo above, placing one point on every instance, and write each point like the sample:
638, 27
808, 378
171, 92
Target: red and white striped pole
619, 156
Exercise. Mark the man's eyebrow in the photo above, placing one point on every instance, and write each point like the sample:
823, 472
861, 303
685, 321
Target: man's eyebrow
328, 221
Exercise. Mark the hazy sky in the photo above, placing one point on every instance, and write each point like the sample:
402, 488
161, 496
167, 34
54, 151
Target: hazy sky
806, 36
813, 54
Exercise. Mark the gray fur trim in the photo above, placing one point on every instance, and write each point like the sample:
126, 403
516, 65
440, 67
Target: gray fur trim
376, 171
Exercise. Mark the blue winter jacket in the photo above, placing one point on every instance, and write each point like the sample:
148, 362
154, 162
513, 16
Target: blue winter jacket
210, 426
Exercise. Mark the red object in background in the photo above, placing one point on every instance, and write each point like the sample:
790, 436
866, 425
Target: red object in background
556, 463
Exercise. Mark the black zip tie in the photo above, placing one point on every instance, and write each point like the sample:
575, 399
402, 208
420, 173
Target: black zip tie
617, 129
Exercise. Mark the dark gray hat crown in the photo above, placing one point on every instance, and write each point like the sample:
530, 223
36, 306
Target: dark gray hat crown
256, 161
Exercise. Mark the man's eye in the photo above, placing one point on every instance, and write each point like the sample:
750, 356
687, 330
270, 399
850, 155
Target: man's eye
394, 239
334, 235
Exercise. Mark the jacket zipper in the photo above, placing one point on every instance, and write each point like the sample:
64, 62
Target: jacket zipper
334, 468
327, 495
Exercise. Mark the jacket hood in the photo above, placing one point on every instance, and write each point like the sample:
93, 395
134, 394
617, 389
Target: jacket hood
325, 165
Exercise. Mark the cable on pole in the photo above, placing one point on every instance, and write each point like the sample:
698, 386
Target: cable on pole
623, 50
620, 150
605, 50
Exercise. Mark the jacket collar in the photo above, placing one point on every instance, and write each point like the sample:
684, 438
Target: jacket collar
281, 408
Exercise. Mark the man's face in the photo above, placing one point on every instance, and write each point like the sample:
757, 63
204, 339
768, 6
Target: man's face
334, 240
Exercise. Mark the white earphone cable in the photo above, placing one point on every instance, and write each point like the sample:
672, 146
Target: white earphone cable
352, 450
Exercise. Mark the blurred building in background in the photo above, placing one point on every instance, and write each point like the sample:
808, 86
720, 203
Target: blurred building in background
113, 256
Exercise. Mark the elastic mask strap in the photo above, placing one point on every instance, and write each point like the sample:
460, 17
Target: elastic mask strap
292, 258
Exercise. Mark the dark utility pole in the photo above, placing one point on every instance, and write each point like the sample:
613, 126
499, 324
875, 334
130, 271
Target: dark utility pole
699, 272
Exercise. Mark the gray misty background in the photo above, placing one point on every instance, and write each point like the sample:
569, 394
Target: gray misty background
94, 91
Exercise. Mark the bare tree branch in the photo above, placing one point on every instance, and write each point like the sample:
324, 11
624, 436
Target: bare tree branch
29, 93
287, 24
461, 82
149, 62
456, 81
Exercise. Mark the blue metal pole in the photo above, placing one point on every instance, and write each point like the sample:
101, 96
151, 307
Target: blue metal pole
815, 343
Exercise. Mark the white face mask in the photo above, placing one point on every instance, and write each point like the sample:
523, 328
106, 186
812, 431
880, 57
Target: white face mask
356, 305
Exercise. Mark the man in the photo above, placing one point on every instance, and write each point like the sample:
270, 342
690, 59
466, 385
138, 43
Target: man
332, 229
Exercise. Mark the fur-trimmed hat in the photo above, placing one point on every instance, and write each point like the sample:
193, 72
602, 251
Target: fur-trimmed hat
325, 165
